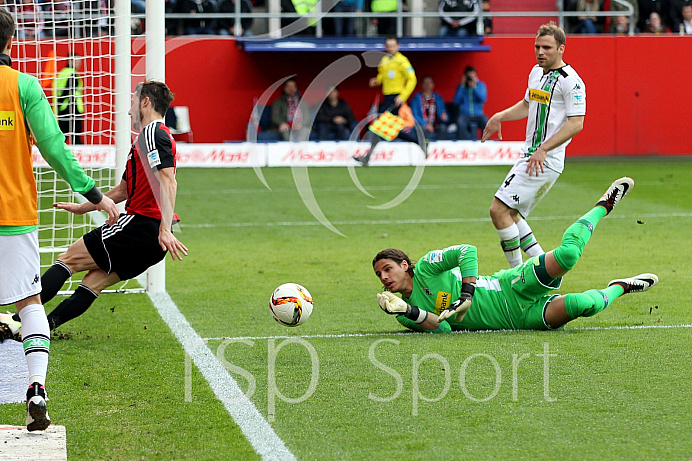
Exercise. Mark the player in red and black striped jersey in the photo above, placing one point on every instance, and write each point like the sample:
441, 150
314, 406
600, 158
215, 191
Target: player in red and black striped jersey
143, 235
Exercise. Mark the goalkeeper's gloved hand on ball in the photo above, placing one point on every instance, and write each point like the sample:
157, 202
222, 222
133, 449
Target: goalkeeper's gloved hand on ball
394, 305
461, 306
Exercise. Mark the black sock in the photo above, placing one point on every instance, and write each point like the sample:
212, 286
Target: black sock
53, 280
72, 307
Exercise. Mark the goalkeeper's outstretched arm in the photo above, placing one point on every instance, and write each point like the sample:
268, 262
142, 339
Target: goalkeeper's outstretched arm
393, 305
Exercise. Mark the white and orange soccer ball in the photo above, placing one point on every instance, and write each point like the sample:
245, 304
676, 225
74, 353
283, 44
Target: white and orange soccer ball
291, 304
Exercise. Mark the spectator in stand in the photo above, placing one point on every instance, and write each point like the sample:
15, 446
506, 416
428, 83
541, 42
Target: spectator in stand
171, 24
138, 6
30, 22
302, 7
227, 25
385, 26
615, 6
334, 118
621, 26
655, 26
194, 25
429, 110
588, 24
58, 14
672, 13
289, 113
459, 26
646, 7
685, 26
346, 26
470, 98
487, 22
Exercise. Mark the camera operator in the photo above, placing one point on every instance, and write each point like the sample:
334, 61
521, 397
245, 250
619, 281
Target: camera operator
469, 99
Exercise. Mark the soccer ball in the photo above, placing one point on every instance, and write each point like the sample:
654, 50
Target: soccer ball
291, 304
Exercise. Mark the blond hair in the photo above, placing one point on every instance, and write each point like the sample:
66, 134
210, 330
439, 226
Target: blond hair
552, 29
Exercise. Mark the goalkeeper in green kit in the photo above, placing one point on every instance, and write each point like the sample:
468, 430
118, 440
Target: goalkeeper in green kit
443, 291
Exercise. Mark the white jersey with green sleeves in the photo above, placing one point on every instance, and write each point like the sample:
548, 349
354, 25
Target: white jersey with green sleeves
552, 97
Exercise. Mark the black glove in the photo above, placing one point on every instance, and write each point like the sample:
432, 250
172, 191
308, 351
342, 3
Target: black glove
461, 306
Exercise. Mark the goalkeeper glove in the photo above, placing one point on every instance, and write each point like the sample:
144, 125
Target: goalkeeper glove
461, 306
394, 305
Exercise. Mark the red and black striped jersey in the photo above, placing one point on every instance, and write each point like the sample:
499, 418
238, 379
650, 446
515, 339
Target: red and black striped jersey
153, 149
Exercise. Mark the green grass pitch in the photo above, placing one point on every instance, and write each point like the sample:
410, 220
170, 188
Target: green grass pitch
122, 385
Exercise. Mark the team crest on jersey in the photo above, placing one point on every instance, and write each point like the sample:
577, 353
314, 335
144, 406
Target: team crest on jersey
540, 96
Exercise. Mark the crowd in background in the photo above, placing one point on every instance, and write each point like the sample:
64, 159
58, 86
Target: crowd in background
650, 16
462, 118
48, 18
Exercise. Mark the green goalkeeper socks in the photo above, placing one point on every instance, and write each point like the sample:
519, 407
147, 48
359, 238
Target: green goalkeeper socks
591, 302
575, 238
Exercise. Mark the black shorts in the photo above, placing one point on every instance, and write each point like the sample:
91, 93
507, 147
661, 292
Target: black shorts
128, 247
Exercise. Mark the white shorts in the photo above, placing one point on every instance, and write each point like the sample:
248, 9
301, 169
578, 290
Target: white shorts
522, 192
20, 267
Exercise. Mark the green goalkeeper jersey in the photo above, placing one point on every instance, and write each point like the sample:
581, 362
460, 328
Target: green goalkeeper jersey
506, 300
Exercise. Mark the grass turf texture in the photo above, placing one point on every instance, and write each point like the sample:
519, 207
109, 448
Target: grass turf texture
120, 388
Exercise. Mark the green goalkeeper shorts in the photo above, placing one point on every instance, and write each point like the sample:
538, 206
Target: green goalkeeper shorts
527, 297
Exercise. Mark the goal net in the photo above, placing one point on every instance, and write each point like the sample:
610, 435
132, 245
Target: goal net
52, 38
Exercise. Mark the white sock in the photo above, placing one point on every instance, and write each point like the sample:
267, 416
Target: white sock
36, 339
509, 239
527, 240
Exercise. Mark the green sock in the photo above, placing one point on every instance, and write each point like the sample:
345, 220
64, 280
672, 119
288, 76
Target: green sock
576, 237
591, 302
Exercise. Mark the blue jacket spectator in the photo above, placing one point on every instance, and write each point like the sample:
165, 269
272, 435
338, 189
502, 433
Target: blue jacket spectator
470, 98
429, 110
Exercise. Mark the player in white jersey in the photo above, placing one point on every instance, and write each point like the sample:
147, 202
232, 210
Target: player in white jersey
555, 104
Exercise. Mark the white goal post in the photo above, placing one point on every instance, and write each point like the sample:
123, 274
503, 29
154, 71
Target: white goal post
96, 40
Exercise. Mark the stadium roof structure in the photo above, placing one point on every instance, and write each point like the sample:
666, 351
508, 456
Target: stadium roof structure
407, 44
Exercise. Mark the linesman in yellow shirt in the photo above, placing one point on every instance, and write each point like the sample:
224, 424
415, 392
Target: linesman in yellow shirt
396, 76
398, 80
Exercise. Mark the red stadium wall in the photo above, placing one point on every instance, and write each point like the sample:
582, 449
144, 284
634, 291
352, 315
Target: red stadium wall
630, 107
636, 106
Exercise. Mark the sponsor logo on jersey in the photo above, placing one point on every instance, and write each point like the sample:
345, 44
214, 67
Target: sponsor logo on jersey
154, 159
7, 120
443, 301
427, 291
576, 87
540, 96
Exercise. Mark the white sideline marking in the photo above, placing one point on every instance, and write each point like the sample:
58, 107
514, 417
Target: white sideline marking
18, 444
408, 333
419, 221
256, 429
